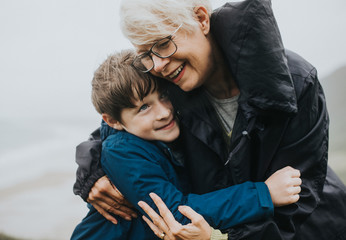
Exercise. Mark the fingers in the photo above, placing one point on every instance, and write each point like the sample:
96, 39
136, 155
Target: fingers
292, 171
111, 206
191, 214
156, 219
197, 229
104, 187
296, 181
147, 209
295, 173
174, 226
153, 227
296, 190
164, 211
120, 210
107, 199
294, 198
116, 195
106, 214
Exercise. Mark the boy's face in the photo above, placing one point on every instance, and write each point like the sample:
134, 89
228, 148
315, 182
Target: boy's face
151, 119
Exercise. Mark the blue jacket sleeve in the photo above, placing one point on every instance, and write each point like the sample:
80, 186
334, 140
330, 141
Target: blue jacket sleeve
137, 170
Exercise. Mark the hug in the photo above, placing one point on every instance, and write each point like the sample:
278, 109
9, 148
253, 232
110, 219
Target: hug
229, 108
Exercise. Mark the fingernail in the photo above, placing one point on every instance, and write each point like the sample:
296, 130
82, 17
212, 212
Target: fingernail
134, 215
115, 222
128, 218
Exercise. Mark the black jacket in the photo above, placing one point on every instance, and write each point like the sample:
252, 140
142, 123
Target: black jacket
282, 120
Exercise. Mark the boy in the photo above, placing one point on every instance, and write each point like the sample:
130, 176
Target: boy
136, 157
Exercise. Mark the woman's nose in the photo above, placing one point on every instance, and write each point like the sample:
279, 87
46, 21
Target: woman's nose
159, 63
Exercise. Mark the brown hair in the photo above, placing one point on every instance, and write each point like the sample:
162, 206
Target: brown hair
117, 84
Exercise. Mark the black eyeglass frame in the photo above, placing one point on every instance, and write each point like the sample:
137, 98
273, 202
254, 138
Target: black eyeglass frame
148, 53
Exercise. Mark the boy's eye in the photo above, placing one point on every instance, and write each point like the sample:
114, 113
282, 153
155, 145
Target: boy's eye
143, 107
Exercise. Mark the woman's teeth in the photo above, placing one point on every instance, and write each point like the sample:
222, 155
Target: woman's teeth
176, 72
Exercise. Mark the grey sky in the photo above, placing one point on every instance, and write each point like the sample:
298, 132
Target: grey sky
50, 48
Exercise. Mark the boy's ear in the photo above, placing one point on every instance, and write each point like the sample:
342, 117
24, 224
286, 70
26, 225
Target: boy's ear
111, 122
203, 18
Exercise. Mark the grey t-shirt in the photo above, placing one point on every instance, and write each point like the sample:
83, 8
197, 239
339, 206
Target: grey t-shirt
226, 110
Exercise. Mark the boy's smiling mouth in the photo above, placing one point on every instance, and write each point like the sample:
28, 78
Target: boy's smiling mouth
167, 126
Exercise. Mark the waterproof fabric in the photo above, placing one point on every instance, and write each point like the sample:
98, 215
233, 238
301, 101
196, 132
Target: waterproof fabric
88, 155
276, 140
257, 56
274, 127
138, 167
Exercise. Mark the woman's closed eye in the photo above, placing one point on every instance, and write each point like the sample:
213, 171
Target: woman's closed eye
163, 44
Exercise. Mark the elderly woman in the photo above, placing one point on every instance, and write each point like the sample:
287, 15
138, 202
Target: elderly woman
248, 107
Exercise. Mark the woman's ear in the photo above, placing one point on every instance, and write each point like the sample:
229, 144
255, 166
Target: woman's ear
203, 19
111, 122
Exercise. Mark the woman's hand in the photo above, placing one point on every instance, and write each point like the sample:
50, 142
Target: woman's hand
166, 227
106, 198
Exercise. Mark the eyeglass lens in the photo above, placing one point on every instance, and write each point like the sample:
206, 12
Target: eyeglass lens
163, 48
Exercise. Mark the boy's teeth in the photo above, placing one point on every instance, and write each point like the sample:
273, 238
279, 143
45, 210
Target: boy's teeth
173, 75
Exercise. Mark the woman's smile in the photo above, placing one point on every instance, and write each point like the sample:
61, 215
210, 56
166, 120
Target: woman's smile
177, 74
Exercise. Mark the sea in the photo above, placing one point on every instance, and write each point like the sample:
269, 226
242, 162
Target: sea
37, 173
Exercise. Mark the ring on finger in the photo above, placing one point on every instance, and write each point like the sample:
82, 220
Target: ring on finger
162, 235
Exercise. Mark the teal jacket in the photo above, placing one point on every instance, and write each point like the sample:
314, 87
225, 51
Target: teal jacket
138, 167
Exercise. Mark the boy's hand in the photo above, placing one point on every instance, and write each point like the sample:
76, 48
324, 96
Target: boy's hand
106, 198
284, 186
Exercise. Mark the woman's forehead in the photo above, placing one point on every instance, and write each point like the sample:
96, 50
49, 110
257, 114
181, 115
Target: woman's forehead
150, 35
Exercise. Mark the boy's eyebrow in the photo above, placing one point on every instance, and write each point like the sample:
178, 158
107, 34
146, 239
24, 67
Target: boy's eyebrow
137, 104
132, 110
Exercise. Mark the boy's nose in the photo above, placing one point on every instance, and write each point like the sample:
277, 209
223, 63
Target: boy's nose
159, 63
163, 111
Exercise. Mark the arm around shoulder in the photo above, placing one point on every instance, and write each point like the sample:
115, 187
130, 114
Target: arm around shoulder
88, 158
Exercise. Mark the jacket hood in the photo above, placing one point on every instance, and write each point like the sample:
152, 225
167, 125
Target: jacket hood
249, 38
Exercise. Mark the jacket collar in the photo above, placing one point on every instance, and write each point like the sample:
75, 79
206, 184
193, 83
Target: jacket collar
106, 130
250, 40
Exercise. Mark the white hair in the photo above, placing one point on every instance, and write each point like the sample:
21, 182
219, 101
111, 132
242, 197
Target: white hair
144, 21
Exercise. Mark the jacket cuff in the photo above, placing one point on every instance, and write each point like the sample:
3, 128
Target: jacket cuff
218, 235
264, 197
89, 183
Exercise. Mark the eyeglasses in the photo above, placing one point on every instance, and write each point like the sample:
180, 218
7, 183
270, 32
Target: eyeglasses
163, 48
